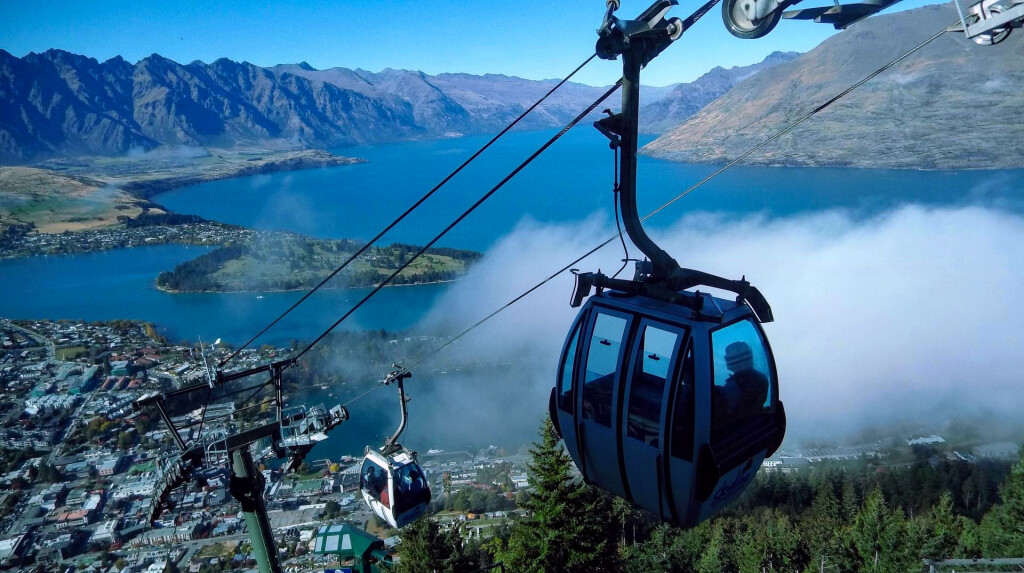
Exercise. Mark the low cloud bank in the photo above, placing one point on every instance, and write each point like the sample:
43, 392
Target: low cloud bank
905, 317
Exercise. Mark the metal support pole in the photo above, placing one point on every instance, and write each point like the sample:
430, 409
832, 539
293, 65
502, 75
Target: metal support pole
638, 42
170, 425
632, 60
391, 444
247, 488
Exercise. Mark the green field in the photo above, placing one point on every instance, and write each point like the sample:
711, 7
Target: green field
72, 353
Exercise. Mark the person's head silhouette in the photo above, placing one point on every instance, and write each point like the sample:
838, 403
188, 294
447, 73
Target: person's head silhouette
738, 357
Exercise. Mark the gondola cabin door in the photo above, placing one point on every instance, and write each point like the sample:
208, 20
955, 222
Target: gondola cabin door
654, 365
604, 353
747, 420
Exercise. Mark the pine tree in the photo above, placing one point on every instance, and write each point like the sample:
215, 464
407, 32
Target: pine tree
569, 526
767, 542
1002, 529
657, 553
941, 530
850, 501
426, 548
825, 531
713, 558
884, 540
969, 546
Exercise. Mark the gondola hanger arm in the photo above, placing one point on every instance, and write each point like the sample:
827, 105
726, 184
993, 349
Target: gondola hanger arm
397, 376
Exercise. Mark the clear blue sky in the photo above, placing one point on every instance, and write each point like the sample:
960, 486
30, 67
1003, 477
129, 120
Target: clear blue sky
525, 38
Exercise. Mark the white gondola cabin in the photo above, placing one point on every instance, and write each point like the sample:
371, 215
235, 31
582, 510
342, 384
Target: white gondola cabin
391, 479
394, 486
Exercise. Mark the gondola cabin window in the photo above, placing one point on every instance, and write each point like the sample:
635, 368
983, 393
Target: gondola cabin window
374, 480
410, 479
743, 379
603, 358
565, 376
655, 351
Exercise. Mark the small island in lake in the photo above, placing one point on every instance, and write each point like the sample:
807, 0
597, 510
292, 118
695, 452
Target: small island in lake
288, 262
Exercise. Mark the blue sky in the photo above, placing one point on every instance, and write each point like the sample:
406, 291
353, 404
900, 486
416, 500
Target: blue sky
526, 38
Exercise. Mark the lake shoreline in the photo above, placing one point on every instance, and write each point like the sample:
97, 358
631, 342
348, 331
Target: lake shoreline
278, 163
172, 291
132, 218
95, 194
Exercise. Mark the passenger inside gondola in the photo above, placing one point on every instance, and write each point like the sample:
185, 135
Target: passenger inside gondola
746, 388
374, 480
412, 487
742, 377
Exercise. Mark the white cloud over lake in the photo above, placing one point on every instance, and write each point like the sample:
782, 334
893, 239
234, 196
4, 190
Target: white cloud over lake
907, 316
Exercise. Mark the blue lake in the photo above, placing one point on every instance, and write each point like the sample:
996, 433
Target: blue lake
571, 182
120, 284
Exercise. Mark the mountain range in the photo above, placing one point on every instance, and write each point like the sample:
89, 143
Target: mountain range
59, 103
954, 104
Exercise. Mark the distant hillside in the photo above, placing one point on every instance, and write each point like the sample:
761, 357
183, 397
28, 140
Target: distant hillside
954, 104
61, 103
687, 99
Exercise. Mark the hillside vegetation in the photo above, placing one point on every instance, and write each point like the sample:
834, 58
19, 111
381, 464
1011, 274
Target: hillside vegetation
53, 203
862, 517
288, 262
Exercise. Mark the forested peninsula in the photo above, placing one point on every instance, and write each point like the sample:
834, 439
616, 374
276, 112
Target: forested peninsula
289, 262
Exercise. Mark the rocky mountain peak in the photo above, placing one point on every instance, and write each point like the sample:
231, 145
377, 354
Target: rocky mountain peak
61, 103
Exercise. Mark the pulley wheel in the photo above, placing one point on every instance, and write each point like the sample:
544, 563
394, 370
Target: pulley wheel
993, 36
675, 27
742, 27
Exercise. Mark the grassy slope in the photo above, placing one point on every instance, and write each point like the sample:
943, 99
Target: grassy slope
56, 203
86, 193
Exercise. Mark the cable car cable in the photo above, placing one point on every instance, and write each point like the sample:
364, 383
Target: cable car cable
678, 197
663, 206
612, 5
206, 401
408, 211
459, 219
796, 123
376, 386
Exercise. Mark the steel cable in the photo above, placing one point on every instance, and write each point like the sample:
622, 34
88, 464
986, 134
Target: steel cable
408, 211
683, 194
464, 214
649, 215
